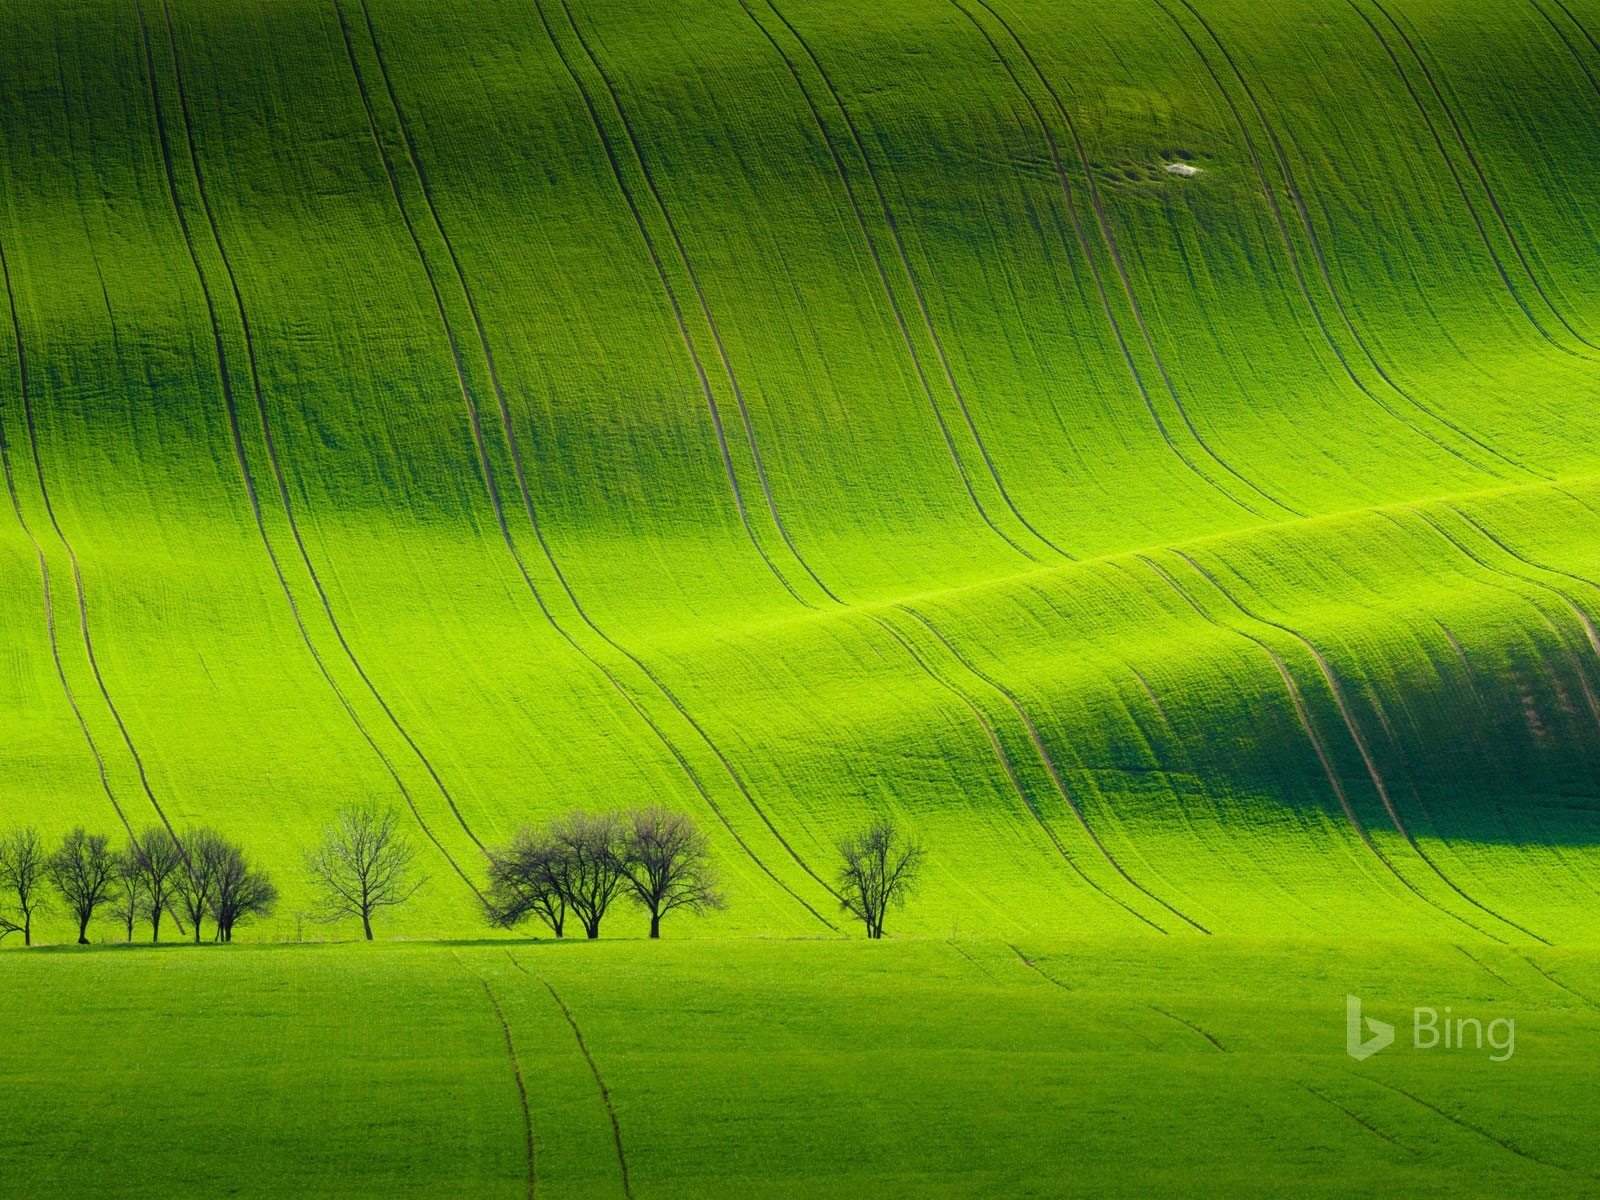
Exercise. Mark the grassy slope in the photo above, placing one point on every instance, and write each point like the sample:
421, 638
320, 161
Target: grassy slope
792, 412
1203, 1068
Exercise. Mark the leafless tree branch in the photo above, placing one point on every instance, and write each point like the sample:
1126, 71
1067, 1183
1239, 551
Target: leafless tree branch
880, 869
364, 864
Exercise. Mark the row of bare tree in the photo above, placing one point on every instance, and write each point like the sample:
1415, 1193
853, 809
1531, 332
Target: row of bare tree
191, 876
576, 865
579, 863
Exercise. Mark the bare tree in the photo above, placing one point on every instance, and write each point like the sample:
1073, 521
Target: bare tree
127, 894
158, 860
528, 878
240, 891
22, 876
83, 869
364, 864
194, 882
880, 868
666, 863
589, 845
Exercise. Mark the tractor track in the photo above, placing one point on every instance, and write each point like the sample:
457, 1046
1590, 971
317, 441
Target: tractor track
666, 284
487, 469
38, 549
1010, 771
1094, 263
1055, 774
225, 380
911, 279
1461, 187
1304, 715
1483, 179
516, 1073
1336, 690
599, 1080
1108, 238
78, 587
1287, 173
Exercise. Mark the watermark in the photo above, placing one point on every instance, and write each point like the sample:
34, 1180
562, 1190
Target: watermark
1382, 1031
1431, 1028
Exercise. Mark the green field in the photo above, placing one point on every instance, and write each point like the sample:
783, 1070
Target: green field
791, 412
1095, 1067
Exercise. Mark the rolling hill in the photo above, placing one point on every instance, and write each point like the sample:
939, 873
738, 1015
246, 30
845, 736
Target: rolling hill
1150, 449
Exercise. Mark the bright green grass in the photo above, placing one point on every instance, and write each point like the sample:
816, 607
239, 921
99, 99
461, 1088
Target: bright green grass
746, 1068
1210, 553
791, 411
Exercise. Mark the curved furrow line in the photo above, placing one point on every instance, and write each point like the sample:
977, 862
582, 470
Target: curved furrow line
1570, 991
1050, 766
700, 296
1304, 715
487, 468
1487, 969
1483, 179
1336, 690
1220, 1048
1588, 626
1378, 783
956, 946
516, 1075
1583, 619
677, 313
1581, 876
1495, 804
77, 583
883, 277
1583, 66
1188, 765
1298, 701
1154, 699
1461, 187
1094, 269
1466, 552
1287, 172
599, 1081
1582, 29
1471, 1128
1104, 225
1484, 710
225, 379
1006, 765
1359, 1120
267, 439
911, 279
1033, 966
38, 549
672, 300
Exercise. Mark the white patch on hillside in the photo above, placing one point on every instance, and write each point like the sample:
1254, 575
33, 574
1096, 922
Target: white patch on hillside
1180, 168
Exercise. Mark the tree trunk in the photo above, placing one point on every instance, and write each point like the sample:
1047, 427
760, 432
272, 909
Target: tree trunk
83, 931
591, 929
655, 924
366, 925
27, 929
197, 931
155, 926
